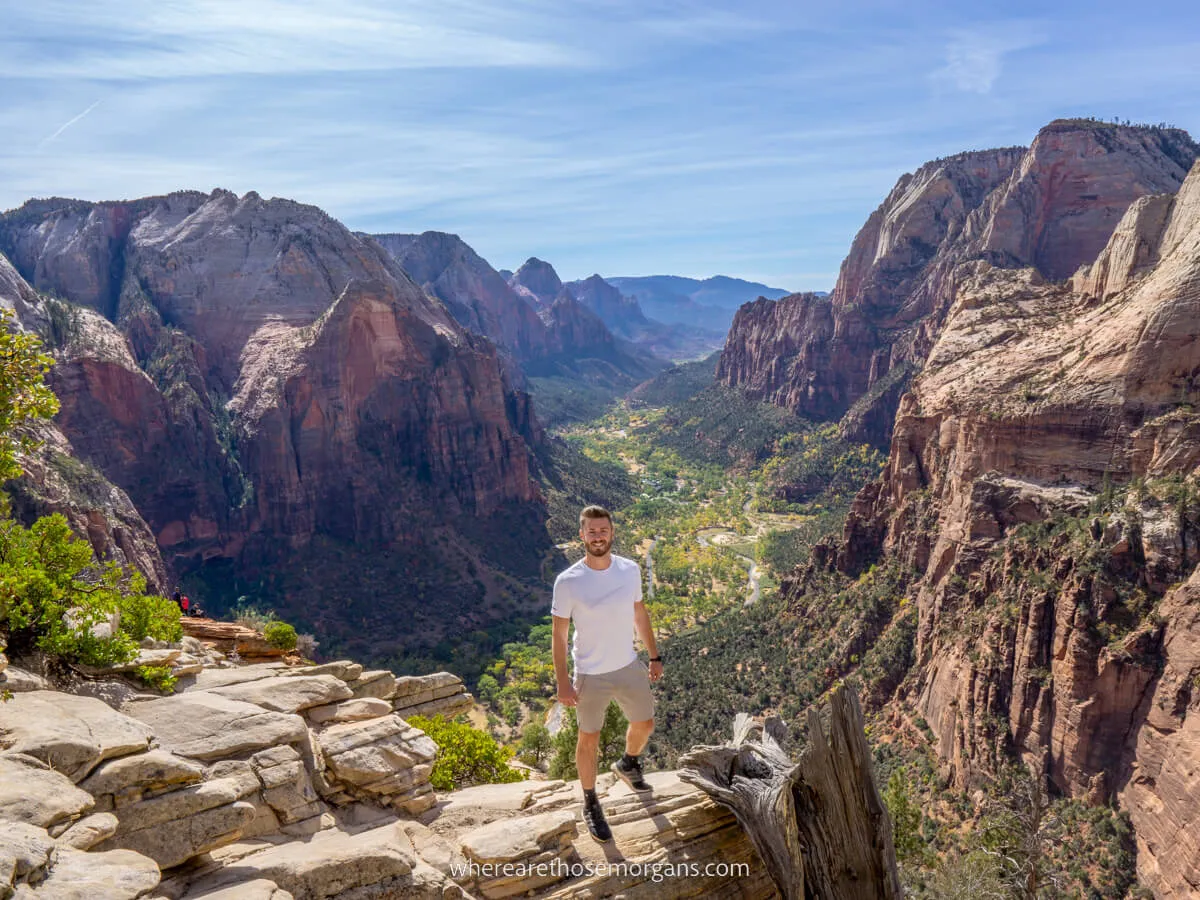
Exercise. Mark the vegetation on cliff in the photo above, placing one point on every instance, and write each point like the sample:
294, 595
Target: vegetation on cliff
54, 596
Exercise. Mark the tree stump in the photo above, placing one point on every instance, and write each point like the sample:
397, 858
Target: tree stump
819, 825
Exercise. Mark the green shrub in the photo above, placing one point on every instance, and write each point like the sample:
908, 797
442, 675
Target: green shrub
905, 813
52, 593
148, 616
536, 744
157, 677
24, 397
612, 742
466, 756
252, 616
280, 635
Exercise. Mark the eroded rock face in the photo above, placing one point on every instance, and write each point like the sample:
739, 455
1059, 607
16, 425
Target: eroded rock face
537, 281
54, 480
623, 315
33, 793
272, 327
71, 734
575, 328
441, 693
1034, 400
75, 875
384, 759
230, 806
1162, 794
480, 299
1052, 207
204, 726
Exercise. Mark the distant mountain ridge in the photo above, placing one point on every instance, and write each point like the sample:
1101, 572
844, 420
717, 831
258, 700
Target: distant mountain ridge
708, 303
1051, 206
260, 381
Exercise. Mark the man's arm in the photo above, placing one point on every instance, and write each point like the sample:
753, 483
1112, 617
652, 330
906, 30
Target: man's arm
641, 619
558, 647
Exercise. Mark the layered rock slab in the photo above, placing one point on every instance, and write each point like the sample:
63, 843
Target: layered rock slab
74, 875
384, 759
34, 794
72, 734
205, 726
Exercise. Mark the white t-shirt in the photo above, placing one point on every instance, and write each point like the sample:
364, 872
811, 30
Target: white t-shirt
601, 603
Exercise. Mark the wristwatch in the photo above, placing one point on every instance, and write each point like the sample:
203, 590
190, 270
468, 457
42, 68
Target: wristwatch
656, 659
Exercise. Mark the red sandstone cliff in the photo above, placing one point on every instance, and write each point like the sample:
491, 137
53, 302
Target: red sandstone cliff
479, 298
1041, 487
1051, 207
54, 480
281, 377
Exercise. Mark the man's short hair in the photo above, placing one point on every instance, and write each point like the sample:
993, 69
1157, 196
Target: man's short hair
594, 512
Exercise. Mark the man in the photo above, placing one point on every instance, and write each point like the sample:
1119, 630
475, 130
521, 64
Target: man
602, 593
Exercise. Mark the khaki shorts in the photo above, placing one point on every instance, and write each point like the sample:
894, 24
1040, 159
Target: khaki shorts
629, 686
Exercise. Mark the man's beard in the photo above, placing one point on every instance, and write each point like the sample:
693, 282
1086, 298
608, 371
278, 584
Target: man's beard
594, 551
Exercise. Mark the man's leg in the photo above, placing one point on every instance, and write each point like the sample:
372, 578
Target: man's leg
587, 747
636, 736
637, 702
589, 711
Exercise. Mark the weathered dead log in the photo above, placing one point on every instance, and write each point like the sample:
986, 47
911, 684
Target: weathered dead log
819, 825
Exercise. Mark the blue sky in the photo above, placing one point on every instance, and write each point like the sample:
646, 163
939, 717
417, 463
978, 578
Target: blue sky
629, 138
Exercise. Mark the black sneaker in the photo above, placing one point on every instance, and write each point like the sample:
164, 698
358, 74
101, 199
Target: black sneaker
631, 775
597, 825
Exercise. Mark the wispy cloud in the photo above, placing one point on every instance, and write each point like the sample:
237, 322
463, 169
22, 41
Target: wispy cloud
618, 136
974, 58
145, 39
65, 125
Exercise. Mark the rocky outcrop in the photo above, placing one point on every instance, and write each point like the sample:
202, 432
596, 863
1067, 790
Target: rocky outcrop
34, 866
383, 759
772, 341
1040, 487
1161, 793
537, 281
267, 329
573, 326
441, 694
1052, 208
33, 793
54, 479
229, 637
238, 797
621, 314
475, 293
70, 734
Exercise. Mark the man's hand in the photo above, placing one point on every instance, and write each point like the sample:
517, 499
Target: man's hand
567, 695
655, 668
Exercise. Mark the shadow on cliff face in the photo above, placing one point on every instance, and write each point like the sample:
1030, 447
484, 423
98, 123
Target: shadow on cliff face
401, 602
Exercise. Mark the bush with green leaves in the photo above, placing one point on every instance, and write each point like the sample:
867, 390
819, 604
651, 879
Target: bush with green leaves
24, 397
280, 635
52, 594
612, 742
905, 814
251, 616
148, 616
466, 756
536, 744
158, 678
